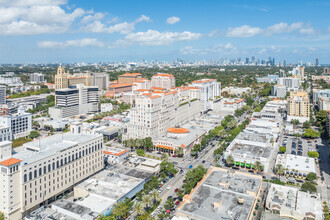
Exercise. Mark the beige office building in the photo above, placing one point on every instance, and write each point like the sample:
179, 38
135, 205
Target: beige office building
45, 169
163, 80
298, 107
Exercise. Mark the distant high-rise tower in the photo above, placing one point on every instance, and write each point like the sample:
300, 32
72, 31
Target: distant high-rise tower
284, 63
246, 60
273, 62
317, 62
253, 59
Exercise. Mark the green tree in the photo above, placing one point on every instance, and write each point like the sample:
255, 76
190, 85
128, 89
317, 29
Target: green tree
148, 144
306, 124
295, 121
196, 148
140, 152
179, 151
310, 133
311, 176
308, 187
169, 205
139, 208
146, 199
279, 169
167, 167
193, 176
34, 134
257, 166
282, 149
2, 217
313, 154
121, 209
229, 160
180, 194
155, 196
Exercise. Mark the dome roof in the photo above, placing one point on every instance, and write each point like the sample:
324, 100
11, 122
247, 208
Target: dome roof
178, 130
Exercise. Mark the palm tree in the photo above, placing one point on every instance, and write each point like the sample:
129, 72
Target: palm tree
164, 156
179, 151
139, 208
229, 160
146, 199
279, 169
257, 166
155, 196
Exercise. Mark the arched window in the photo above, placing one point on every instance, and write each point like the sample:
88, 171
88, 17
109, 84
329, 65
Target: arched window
79, 130
25, 178
49, 168
65, 161
45, 170
40, 171
57, 164
61, 162
53, 165
72, 157
30, 176
35, 174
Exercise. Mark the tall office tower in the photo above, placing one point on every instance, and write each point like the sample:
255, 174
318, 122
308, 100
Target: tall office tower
270, 60
253, 59
46, 168
273, 62
209, 89
292, 84
317, 62
284, 63
282, 73
3, 94
246, 60
163, 80
74, 101
298, 106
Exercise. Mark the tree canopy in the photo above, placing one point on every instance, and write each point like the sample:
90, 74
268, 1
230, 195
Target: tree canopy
311, 133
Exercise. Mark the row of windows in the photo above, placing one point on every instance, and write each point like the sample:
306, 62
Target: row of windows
60, 163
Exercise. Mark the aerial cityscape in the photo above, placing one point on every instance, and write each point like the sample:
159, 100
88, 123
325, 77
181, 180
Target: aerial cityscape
152, 110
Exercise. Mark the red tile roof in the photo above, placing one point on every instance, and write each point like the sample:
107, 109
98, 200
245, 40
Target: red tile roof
9, 162
115, 154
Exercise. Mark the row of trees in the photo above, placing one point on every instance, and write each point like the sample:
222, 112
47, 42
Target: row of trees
118, 109
145, 143
43, 89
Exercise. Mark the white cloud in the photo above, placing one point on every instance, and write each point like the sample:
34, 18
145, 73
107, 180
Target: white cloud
172, 20
123, 28
155, 38
312, 49
85, 42
93, 17
262, 51
35, 17
280, 28
243, 31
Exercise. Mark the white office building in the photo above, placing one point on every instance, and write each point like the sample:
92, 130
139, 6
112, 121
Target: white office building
291, 84
106, 107
37, 78
20, 123
45, 169
278, 91
74, 101
209, 89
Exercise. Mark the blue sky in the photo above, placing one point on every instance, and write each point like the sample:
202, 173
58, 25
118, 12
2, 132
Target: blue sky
100, 31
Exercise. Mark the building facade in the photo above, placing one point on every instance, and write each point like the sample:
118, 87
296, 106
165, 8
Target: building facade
278, 91
209, 89
291, 84
37, 78
3, 94
20, 123
163, 80
298, 107
46, 169
129, 78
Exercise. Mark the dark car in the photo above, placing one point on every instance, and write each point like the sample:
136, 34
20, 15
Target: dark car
293, 152
294, 147
169, 197
203, 161
299, 153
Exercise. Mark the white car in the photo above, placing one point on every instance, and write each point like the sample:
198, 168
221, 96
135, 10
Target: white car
169, 187
160, 190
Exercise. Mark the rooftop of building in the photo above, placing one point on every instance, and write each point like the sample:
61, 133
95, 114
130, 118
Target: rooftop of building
164, 75
131, 74
177, 130
204, 81
45, 147
217, 195
293, 202
119, 85
296, 162
254, 136
130, 169
249, 151
73, 207
114, 151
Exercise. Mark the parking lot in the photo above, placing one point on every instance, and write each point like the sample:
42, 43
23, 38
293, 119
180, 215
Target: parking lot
298, 146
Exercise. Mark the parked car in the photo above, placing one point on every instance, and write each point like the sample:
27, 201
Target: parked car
184, 181
169, 187
177, 202
293, 152
299, 153
173, 155
169, 197
176, 190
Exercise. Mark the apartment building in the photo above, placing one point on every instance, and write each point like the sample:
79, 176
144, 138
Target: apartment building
299, 72
209, 89
3, 94
291, 84
324, 103
37, 78
46, 168
20, 124
298, 107
74, 101
163, 80
320, 93
142, 83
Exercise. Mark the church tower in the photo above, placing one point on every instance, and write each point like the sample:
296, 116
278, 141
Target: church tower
61, 78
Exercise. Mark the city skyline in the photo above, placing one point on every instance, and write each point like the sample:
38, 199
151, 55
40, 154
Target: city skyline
78, 31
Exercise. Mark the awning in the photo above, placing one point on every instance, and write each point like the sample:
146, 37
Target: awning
242, 164
248, 165
236, 163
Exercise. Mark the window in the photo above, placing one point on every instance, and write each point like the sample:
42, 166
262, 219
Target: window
35, 174
49, 167
45, 169
25, 178
40, 171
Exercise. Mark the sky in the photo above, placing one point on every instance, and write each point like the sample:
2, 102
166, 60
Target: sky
43, 31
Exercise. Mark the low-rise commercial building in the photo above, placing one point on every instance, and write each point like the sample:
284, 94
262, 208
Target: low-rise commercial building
222, 194
115, 155
106, 107
295, 165
278, 91
290, 203
237, 90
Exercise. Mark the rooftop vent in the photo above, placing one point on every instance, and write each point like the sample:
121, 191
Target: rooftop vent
240, 200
